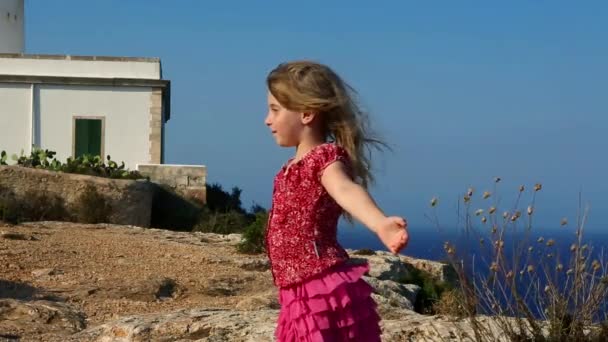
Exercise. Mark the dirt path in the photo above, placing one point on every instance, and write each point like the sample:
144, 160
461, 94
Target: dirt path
105, 272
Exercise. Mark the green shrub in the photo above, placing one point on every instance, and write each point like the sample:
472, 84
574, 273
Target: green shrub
221, 223
95, 166
364, 251
87, 164
223, 213
431, 290
253, 236
219, 200
3, 157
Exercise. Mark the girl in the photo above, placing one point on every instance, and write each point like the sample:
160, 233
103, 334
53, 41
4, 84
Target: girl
322, 297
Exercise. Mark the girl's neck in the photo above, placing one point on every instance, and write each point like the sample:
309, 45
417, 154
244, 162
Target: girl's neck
306, 146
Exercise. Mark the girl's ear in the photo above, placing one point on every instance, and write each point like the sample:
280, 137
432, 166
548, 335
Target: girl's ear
308, 117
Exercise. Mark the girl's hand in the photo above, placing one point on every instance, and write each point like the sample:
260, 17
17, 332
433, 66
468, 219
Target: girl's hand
392, 231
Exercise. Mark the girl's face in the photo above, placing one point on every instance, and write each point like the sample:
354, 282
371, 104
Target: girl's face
286, 125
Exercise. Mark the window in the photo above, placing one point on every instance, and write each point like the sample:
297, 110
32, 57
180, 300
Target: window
88, 136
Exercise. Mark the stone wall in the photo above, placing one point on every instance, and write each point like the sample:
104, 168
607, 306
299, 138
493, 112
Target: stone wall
130, 200
156, 126
187, 180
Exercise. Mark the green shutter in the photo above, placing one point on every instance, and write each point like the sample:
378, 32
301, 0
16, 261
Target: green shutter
88, 137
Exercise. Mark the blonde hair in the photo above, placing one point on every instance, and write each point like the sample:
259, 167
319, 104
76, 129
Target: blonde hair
310, 86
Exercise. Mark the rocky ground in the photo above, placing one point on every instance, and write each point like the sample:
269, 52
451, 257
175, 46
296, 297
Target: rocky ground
73, 282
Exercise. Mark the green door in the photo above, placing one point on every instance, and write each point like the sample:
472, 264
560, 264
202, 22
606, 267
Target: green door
88, 137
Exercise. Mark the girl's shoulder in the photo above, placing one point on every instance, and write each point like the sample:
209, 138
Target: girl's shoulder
329, 151
325, 155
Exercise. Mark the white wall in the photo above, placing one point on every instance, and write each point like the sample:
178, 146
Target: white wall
12, 39
15, 117
127, 119
63, 66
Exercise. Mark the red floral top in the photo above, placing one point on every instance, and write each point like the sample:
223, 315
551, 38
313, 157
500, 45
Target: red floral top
301, 238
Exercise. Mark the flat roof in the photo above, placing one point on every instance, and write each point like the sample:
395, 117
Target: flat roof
81, 58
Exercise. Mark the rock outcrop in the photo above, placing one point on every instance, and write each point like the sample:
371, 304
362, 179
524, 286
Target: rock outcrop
66, 281
129, 201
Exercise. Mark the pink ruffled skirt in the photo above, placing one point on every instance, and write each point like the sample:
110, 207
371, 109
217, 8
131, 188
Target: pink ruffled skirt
333, 306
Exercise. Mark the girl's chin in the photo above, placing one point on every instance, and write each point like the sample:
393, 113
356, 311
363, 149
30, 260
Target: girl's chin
283, 143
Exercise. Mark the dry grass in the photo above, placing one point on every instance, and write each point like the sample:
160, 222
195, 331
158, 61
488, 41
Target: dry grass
534, 291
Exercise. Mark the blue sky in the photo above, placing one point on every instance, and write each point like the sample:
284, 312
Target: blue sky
463, 91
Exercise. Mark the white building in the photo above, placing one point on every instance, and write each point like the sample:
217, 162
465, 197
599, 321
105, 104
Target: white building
76, 105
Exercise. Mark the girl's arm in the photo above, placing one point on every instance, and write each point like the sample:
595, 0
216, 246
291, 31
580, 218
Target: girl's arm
353, 198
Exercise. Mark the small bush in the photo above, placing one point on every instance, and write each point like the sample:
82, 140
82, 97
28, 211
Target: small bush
431, 290
222, 213
31, 206
253, 236
451, 303
221, 223
40, 206
219, 200
9, 211
256, 209
172, 211
3, 158
92, 207
364, 251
